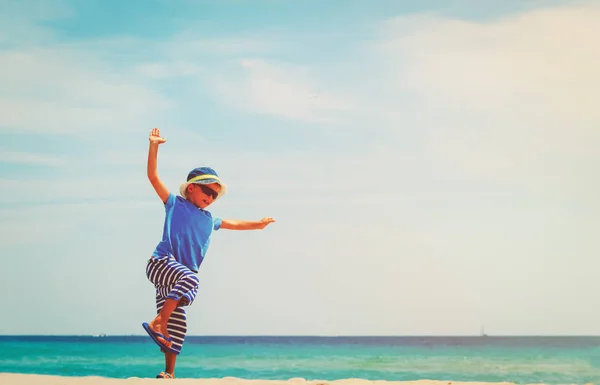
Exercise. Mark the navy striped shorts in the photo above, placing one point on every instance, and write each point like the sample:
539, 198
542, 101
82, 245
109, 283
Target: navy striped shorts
173, 280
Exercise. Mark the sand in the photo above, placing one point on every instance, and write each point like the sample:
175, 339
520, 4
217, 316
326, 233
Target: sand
27, 379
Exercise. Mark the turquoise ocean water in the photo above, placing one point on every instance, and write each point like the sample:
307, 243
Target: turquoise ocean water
550, 360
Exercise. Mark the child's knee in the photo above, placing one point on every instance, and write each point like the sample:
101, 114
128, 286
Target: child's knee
193, 279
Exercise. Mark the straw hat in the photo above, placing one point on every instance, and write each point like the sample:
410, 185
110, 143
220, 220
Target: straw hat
203, 175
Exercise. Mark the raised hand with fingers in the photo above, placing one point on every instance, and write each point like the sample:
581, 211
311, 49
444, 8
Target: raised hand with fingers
265, 221
155, 137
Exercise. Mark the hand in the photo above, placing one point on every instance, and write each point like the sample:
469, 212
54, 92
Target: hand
265, 222
155, 137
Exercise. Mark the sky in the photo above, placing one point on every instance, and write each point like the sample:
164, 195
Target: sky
432, 165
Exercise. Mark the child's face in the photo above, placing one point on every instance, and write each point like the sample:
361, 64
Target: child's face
202, 195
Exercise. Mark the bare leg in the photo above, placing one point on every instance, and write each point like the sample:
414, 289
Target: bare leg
170, 359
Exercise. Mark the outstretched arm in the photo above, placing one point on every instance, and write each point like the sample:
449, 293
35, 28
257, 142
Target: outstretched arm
234, 224
155, 140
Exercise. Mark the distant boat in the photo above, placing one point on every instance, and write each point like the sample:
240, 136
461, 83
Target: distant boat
483, 332
100, 335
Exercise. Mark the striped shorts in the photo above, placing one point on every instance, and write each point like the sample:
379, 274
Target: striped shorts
173, 280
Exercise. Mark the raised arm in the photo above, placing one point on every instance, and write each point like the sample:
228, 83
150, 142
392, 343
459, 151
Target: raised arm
235, 224
155, 140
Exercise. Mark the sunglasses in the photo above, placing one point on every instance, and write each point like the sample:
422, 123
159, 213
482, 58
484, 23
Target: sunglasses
208, 191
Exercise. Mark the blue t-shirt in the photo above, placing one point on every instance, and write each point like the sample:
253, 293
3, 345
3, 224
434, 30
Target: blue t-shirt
186, 233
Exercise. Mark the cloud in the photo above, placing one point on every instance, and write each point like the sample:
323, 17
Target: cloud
62, 89
507, 100
74, 190
168, 70
538, 59
188, 42
21, 21
184, 51
29, 158
281, 90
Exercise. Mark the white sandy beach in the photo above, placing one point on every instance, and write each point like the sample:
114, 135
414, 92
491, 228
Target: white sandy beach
27, 379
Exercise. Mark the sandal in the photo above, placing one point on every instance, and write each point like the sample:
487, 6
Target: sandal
155, 336
165, 375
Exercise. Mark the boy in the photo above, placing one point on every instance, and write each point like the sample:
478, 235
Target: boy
174, 264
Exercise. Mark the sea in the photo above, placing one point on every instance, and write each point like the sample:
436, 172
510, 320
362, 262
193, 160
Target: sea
521, 360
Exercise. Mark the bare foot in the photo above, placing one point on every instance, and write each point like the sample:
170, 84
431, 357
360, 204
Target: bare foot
157, 326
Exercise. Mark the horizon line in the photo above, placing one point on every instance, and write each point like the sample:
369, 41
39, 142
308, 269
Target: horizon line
101, 335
